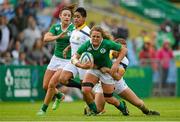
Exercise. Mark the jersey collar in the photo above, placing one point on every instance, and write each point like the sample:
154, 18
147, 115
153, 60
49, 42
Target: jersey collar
81, 27
66, 28
96, 47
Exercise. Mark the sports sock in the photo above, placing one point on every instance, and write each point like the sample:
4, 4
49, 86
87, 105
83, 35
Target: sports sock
120, 107
144, 109
93, 107
44, 107
73, 83
59, 95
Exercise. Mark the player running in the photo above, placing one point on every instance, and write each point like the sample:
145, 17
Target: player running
61, 34
100, 47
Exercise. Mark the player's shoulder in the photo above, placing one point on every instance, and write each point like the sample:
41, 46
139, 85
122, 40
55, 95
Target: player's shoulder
56, 25
107, 41
86, 29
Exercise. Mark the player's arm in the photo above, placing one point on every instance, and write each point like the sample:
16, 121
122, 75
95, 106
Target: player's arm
66, 50
116, 76
49, 37
76, 62
122, 52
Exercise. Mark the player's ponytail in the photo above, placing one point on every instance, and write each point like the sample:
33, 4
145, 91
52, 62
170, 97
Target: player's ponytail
70, 7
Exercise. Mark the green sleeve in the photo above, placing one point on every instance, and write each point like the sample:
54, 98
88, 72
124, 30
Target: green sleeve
114, 46
52, 30
82, 48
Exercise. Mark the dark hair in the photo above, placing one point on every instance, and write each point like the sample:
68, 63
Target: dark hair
121, 41
82, 11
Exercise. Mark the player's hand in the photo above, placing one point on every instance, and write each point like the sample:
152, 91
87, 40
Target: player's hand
87, 65
104, 70
65, 53
114, 68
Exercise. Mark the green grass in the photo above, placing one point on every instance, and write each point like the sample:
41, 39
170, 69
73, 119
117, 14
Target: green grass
26, 111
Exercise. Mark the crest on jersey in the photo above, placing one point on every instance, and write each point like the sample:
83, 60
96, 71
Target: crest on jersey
57, 28
103, 51
69, 33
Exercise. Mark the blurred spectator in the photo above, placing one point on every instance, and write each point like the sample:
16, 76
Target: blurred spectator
139, 41
31, 8
15, 53
18, 23
6, 58
131, 53
176, 33
31, 33
122, 30
4, 34
165, 33
59, 7
147, 56
22, 58
6, 9
165, 55
105, 24
36, 56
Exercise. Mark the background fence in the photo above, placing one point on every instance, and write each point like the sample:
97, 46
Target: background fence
19, 83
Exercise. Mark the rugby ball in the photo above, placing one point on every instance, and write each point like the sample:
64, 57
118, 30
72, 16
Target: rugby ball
86, 56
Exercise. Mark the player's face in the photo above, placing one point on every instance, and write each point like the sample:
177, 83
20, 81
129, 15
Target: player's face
65, 16
96, 38
78, 19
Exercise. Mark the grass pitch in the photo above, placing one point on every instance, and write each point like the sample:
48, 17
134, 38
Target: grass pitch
73, 111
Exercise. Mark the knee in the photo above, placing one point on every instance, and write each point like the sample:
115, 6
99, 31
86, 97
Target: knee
86, 90
63, 80
51, 85
87, 87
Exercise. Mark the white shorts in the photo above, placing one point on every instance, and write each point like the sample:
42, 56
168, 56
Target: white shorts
97, 88
75, 70
103, 77
57, 63
120, 86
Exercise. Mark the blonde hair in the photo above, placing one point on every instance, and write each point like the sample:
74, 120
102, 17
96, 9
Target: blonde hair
105, 34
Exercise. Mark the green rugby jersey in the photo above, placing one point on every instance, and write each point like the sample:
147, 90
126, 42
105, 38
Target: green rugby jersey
101, 54
62, 43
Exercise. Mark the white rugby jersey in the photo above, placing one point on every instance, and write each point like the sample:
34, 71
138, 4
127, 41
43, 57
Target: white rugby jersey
78, 37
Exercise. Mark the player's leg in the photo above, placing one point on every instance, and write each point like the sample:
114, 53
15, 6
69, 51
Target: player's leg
59, 96
98, 98
66, 78
47, 76
51, 92
87, 85
131, 97
108, 95
52, 67
125, 92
